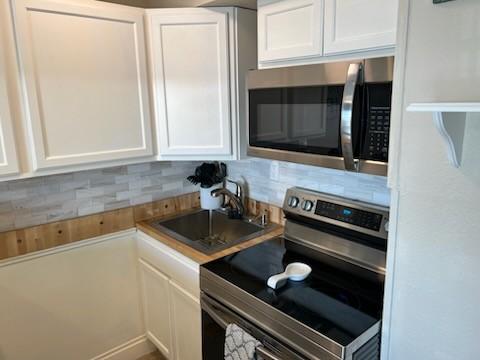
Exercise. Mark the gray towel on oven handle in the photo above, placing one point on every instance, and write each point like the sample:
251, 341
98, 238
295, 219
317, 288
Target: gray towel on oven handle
240, 345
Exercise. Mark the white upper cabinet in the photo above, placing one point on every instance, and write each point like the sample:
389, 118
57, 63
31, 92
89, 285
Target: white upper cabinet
86, 88
8, 155
289, 29
353, 25
190, 52
197, 66
298, 32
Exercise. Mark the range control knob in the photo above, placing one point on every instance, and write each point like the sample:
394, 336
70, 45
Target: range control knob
293, 201
307, 205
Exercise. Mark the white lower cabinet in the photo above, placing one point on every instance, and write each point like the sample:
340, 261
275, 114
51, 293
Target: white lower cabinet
155, 288
170, 295
187, 320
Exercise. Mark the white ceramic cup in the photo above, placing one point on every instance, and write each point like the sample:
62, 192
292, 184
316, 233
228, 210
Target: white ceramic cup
207, 201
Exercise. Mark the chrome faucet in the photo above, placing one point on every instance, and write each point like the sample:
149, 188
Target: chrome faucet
235, 204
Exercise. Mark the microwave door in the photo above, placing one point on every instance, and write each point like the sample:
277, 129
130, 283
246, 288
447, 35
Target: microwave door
346, 121
300, 119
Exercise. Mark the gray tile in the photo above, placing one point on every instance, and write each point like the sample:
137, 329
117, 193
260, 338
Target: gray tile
35, 201
93, 209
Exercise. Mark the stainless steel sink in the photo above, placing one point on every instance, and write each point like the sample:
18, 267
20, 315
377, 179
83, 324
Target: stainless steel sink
209, 231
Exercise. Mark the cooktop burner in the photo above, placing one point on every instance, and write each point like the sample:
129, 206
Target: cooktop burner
338, 299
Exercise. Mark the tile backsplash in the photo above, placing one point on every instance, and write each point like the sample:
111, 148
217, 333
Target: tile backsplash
35, 201
268, 181
40, 200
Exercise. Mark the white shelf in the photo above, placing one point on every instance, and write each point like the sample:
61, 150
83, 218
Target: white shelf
450, 119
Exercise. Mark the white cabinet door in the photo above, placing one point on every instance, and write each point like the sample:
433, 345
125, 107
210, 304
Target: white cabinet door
155, 288
186, 313
86, 81
354, 25
8, 155
190, 61
289, 29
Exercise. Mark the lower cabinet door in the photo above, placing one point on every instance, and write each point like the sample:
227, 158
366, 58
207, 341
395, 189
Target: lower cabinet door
186, 313
155, 288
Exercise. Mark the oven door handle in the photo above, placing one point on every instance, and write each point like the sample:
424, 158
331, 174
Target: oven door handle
212, 310
353, 76
265, 354
260, 350
214, 314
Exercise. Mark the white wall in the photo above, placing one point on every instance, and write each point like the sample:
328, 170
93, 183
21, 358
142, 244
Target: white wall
76, 304
434, 310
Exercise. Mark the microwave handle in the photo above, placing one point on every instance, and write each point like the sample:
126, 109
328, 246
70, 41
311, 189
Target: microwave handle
353, 75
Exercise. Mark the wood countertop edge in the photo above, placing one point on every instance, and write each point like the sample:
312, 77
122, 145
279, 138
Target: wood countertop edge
197, 256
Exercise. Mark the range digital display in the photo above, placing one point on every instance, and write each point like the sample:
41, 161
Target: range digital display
365, 219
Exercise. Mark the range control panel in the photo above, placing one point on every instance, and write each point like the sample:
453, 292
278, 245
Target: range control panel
352, 214
362, 218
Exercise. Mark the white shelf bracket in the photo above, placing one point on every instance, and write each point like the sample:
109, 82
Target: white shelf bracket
451, 127
450, 120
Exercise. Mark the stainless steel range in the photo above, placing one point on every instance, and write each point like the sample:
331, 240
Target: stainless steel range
335, 313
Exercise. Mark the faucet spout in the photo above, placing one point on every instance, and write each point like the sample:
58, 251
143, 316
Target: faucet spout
235, 203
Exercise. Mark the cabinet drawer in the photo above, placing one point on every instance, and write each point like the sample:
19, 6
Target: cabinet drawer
179, 268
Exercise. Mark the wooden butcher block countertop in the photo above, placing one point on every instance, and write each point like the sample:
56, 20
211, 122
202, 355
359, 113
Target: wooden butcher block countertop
19, 242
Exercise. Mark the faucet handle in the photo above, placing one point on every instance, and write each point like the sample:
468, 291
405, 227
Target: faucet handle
261, 218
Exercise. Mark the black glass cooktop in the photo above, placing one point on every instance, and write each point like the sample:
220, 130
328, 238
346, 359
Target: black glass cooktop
338, 299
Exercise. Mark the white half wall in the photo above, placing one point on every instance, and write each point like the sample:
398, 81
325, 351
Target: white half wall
433, 286
76, 302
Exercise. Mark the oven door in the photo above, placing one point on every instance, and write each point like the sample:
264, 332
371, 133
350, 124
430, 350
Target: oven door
215, 319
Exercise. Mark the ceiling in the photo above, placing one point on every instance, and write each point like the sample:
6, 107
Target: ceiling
250, 4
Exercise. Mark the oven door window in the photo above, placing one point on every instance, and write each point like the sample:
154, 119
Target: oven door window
302, 119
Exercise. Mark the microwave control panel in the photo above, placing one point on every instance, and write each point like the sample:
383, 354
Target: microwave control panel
379, 97
378, 130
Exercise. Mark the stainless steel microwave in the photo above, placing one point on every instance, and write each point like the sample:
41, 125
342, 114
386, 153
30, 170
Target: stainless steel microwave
334, 115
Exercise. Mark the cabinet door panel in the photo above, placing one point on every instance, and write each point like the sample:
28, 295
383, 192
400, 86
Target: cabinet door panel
289, 29
192, 94
8, 155
155, 289
353, 25
86, 84
187, 324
